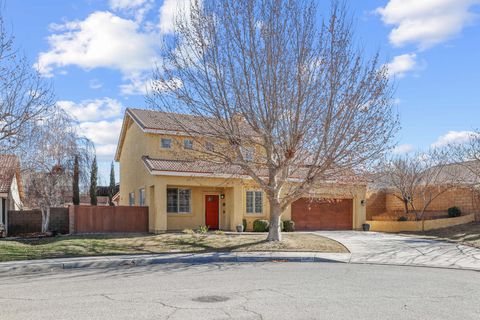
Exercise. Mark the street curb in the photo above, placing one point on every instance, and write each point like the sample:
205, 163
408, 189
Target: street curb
32, 266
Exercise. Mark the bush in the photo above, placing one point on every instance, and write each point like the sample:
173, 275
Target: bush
402, 218
244, 222
454, 212
188, 231
288, 226
260, 225
202, 229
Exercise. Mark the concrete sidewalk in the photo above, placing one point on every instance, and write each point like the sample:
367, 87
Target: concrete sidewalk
49, 265
393, 249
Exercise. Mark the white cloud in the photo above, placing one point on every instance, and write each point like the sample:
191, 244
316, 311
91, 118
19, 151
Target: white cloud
137, 8
426, 22
127, 4
168, 11
402, 64
453, 137
95, 84
90, 110
101, 40
106, 152
101, 132
402, 149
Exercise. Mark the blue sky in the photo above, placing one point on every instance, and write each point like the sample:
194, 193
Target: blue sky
99, 55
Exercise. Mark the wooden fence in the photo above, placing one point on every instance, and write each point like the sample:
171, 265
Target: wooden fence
30, 221
91, 219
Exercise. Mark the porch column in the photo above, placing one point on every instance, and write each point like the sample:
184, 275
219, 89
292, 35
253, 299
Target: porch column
237, 206
160, 217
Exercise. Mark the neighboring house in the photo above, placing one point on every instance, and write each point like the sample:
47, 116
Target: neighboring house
157, 170
85, 200
11, 189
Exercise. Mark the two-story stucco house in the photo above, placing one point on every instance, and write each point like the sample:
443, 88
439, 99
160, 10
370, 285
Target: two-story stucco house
157, 170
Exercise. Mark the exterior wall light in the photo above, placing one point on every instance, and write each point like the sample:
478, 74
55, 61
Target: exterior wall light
222, 196
362, 202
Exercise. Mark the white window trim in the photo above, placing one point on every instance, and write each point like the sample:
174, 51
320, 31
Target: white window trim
161, 143
178, 202
253, 199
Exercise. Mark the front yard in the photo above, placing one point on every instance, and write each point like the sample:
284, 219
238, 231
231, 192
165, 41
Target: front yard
467, 233
114, 244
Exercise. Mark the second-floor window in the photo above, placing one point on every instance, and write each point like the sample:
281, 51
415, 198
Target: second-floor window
141, 197
166, 143
131, 198
209, 146
248, 154
188, 144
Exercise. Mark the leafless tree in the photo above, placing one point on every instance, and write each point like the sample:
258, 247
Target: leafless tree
290, 100
48, 159
418, 179
24, 96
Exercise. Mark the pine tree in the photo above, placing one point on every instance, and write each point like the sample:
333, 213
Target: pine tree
93, 182
76, 187
111, 189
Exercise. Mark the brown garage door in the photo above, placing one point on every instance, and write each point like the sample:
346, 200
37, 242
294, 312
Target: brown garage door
322, 214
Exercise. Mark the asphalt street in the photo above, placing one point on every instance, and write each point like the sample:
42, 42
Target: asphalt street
273, 290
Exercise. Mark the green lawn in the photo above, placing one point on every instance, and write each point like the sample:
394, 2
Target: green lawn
467, 233
112, 244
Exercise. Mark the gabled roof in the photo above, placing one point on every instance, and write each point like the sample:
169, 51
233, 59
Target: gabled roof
9, 169
152, 121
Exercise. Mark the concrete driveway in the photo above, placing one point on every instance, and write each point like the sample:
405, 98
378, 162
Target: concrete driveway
384, 248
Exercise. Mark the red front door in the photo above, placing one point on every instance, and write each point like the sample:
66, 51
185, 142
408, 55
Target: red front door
211, 211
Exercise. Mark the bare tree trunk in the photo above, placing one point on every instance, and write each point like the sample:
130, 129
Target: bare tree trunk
405, 202
274, 232
45, 219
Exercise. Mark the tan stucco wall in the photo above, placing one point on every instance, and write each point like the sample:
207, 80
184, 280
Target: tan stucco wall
134, 176
400, 226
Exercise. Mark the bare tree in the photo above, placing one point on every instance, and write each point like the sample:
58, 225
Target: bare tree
289, 100
49, 160
418, 179
25, 97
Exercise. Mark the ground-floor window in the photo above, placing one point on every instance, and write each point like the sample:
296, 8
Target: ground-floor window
131, 198
141, 197
254, 201
178, 200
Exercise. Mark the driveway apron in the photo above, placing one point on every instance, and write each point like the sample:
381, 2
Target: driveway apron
384, 248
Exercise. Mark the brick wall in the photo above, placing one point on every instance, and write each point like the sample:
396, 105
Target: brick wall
384, 206
376, 203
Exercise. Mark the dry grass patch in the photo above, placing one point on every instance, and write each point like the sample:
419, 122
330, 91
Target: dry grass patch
113, 244
467, 233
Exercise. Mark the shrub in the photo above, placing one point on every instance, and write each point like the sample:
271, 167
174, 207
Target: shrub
244, 222
454, 212
219, 232
402, 218
260, 225
188, 231
288, 226
202, 229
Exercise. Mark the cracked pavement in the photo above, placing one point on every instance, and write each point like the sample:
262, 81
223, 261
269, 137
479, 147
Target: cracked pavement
385, 248
244, 291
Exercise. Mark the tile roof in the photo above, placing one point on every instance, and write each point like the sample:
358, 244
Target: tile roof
177, 122
9, 166
206, 168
